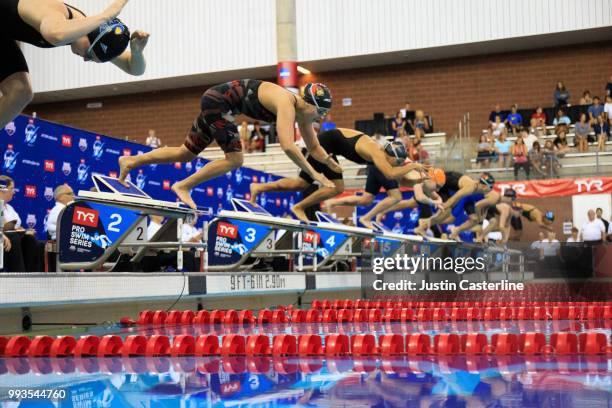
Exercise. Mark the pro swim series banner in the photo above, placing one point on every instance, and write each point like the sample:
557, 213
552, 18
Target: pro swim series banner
41, 155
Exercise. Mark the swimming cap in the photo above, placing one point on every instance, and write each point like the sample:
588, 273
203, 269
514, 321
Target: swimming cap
550, 216
109, 40
397, 150
318, 95
487, 179
438, 176
510, 193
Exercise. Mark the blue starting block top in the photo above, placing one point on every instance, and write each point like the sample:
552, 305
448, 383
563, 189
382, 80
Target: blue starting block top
106, 184
248, 207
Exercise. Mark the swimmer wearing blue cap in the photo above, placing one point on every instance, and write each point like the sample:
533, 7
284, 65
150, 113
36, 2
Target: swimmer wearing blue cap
51, 23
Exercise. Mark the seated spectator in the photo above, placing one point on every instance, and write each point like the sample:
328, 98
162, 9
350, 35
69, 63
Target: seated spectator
537, 245
609, 87
420, 124
498, 127
515, 119
521, 160
63, 196
152, 140
536, 159
608, 108
561, 95
496, 112
561, 119
398, 126
535, 130
561, 144
485, 151
244, 135
420, 154
551, 161
573, 238
586, 98
257, 142
22, 252
602, 133
502, 148
328, 123
540, 117
529, 139
581, 133
595, 109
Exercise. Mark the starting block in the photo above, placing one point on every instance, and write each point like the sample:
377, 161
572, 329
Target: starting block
114, 218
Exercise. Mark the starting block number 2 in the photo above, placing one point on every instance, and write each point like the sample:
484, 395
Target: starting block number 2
138, 234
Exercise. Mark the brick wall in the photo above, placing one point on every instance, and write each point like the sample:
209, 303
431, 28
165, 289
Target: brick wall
445, 89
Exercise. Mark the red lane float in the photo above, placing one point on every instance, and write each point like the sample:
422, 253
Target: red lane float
62, 346
284, 345
207, 345
40, 346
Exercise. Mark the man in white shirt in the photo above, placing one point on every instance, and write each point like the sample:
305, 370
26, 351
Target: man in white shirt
529, 139
593, 231
152, 140
574, 237
63, 195
550, 246
537, 245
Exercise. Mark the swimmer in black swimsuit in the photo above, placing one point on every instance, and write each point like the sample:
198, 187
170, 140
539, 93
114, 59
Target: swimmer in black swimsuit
50, 23
352, 145
499, 217
259, 100
544, 219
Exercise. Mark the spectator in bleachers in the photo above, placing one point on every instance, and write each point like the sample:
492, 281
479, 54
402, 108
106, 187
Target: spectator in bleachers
582, 128
63, 195
502, 148
599, 215
257, 142
595, 109
515, 119
328, 123
485, 151
551, 161
561, 119
608, 107
593, 231
586, 98
498, 127
407, 112
536, 130
609, 87
561, 95
398, 126
536, 159
152, 140
244, 135
420, 124
420, 154
561, 144
24, 253
602, 132
496, 112
521, 160
574, 238
540, 117
529, 138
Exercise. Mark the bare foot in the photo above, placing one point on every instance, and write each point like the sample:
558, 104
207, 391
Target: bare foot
299, 214
454, 235
184, 194
126, 164
366, 222
254, 187
422, 228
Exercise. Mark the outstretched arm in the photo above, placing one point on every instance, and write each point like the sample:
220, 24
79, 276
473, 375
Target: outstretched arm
315, 149
390, 172
56, 29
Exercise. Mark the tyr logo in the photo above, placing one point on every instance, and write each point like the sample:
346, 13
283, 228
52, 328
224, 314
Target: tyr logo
311, 238
589, 185
227, 230
85, 216
521, 189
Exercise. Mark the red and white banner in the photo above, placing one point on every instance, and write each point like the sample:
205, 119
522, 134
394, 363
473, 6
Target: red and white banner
545, 188
558, 187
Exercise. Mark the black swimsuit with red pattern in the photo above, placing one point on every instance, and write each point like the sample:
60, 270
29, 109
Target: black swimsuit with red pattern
219, 105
